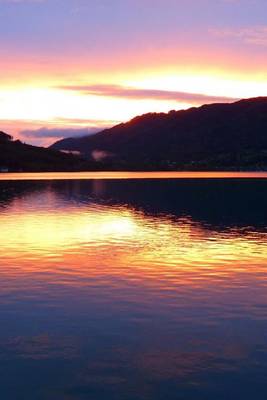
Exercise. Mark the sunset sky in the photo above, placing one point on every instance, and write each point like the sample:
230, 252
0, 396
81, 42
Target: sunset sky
70, 67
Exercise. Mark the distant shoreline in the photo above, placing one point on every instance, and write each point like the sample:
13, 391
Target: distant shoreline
13, 176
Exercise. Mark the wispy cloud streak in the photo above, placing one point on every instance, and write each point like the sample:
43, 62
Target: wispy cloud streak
256, 35
136, 93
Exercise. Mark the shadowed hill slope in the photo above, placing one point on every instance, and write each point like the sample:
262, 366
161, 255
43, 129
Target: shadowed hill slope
217, 136
17, 156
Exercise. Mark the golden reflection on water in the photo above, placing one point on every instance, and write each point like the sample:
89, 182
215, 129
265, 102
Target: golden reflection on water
98, 241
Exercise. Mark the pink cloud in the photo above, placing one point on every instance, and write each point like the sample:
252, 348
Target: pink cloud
135, 93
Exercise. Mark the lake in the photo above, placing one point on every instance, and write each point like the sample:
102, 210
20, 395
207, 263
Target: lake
120, 286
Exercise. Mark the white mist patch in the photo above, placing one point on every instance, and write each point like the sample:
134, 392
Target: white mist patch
100, 155
74, 152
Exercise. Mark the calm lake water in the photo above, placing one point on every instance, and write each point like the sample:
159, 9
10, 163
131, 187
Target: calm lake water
133, 289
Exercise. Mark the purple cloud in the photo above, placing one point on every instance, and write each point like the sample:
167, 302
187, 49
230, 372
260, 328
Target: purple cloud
134, 93
42, 133
256, 35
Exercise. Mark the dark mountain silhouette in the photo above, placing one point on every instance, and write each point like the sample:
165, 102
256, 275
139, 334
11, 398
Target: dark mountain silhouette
17, 156
216, 136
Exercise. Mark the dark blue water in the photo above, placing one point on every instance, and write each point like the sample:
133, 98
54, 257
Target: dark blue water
133, 289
